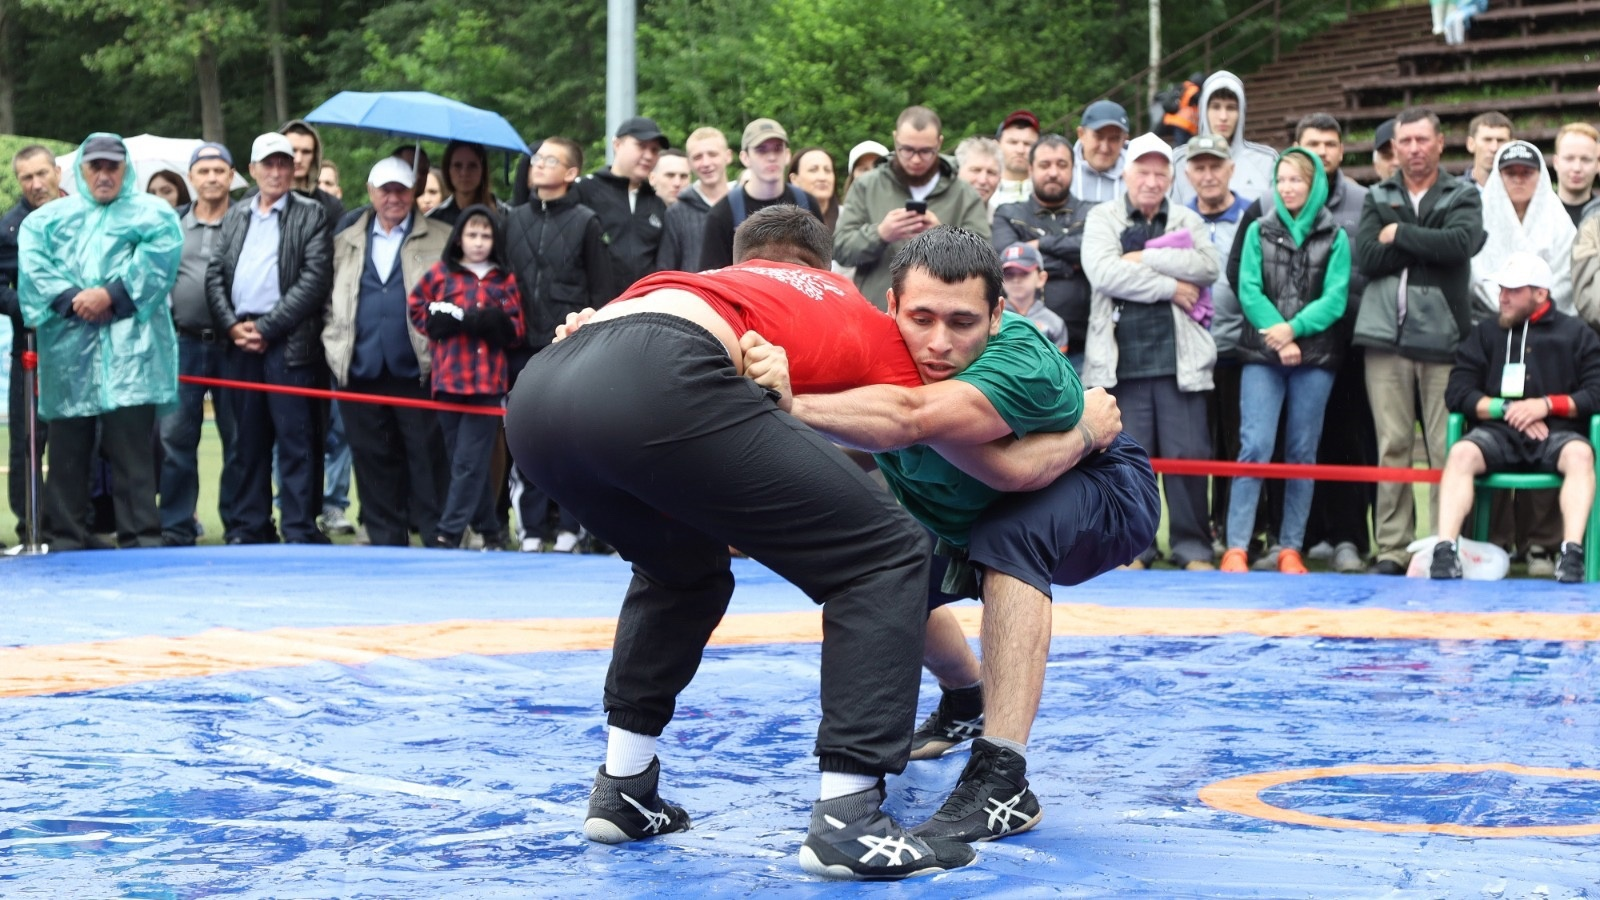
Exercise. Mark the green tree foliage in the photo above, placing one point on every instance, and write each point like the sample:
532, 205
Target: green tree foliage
833, 71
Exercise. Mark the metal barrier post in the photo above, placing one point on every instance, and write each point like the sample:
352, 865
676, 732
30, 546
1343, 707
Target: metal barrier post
31, 544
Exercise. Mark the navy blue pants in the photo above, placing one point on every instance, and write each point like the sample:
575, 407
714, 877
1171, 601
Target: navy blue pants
1099, 515
292, 424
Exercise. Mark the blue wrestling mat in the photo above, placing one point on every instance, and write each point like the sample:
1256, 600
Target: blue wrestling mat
277, 722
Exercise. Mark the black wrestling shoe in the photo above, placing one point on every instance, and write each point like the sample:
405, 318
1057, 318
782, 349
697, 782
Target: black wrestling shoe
1446, 561
1569, 569
990, 801
628, 809
852, 838
958, 719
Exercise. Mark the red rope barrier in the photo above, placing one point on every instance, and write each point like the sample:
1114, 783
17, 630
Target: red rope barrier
342, 395
1292, 470
1162, 466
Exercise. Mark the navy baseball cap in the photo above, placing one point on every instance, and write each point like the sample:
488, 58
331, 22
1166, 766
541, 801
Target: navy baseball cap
211, 150
1105, 112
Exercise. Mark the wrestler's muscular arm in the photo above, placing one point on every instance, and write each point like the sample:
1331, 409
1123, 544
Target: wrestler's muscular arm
952, 417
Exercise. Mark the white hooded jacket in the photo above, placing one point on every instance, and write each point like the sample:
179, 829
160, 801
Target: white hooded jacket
1545, 229
1253, 172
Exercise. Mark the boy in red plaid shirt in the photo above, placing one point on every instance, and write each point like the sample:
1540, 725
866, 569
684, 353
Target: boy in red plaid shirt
469, 307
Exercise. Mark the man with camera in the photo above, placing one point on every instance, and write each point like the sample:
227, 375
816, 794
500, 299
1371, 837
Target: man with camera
914, 191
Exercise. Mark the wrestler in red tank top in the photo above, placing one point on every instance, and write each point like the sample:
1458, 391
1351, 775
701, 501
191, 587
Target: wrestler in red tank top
834, 338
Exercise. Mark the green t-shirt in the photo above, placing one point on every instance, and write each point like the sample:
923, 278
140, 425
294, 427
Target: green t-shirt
1032, 387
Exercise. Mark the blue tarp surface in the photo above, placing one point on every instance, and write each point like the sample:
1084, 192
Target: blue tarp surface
467, 776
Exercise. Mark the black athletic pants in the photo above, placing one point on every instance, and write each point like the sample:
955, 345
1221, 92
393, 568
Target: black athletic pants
641, 426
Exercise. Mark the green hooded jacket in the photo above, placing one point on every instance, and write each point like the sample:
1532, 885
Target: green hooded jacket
129, 246
1320, 312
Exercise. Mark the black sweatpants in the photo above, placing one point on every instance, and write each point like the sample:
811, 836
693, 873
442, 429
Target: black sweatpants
641, 426
402, 468
126, 435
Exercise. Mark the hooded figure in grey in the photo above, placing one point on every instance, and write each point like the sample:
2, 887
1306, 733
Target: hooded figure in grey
1253, 164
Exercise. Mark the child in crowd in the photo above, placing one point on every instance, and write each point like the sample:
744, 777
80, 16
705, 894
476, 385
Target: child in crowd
469, 307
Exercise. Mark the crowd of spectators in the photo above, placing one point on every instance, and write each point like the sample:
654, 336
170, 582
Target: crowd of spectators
1242, 302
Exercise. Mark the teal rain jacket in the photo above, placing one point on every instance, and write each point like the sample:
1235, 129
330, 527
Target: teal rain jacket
76, 243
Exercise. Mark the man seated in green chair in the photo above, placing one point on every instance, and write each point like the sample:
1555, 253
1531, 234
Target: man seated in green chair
1530, 379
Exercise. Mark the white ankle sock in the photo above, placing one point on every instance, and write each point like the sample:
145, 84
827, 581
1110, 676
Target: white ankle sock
1013, 746
839, 784
628, 752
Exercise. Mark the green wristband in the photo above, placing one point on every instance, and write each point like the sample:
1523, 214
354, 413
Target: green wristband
1497, 409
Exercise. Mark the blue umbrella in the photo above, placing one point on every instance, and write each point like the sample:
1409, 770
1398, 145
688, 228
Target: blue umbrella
418, 115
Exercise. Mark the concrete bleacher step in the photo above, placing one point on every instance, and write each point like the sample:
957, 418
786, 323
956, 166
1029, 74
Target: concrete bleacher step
1371, 92
1553, 102
1367, 68
1417, 58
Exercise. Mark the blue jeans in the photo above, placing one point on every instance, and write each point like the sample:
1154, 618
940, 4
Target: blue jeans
335, 462
1261, 395
180, 441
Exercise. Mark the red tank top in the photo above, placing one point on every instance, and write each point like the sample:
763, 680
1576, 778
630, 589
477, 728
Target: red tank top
834, 338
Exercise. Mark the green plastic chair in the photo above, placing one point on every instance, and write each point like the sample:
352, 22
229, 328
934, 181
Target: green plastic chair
1530, 481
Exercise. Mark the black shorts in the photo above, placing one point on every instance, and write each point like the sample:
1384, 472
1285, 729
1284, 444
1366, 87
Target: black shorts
1099, 515
1507, 451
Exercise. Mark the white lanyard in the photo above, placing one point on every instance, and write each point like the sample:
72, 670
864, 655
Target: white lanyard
1513, 378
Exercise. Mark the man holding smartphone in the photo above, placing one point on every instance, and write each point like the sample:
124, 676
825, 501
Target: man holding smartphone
914, 190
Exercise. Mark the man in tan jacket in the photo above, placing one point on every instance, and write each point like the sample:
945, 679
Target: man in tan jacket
399, 455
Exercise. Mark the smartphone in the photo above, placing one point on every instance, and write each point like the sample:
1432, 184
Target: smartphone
917, 206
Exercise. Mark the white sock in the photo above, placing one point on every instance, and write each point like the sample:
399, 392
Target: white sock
1013, 746
628, 752
839, 784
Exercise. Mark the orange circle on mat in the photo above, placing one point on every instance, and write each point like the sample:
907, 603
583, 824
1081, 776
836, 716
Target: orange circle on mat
1242, 795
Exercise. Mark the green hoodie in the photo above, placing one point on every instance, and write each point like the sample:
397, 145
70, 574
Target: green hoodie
1319, 314
130, 246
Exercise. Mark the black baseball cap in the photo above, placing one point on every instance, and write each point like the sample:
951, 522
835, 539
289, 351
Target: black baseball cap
1384, 136
643, 130
1519, 153
103, 147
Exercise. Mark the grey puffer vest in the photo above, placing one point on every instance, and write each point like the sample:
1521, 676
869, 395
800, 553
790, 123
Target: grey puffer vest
1293, 276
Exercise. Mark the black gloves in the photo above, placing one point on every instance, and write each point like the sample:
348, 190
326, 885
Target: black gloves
444, 320
491, 325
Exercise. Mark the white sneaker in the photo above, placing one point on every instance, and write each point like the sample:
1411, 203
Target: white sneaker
1322, 550
566, 542
532, 545
1346, 558
1540, 563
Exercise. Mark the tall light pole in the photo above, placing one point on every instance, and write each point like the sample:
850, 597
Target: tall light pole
1155, 53
621, 79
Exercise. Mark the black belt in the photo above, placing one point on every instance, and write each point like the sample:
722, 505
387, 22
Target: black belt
203, 335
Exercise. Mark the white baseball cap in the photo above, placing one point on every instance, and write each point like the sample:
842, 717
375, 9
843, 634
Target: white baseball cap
1524, 269
268, 144
391, 170
1146, 144
862, 149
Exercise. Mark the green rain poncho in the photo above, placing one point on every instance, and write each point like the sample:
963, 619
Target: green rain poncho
76, 243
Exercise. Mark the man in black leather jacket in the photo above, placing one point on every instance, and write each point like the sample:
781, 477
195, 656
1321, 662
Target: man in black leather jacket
268, 286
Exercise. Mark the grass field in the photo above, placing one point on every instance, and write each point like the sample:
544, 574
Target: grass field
210, 470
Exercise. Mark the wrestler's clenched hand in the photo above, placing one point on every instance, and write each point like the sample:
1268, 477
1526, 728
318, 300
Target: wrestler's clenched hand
573, 323
767, 364
1101, 419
